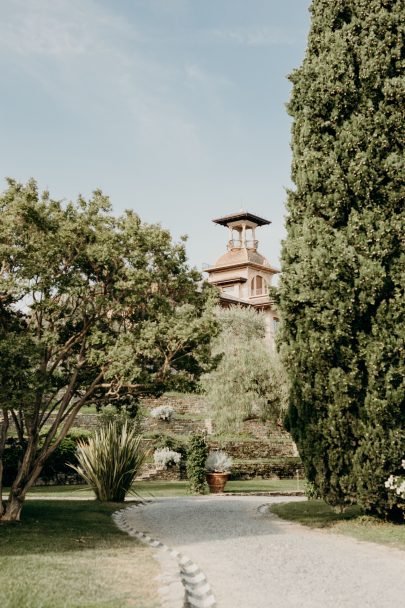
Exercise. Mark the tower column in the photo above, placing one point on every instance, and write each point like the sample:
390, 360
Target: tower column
244, 236
230, 244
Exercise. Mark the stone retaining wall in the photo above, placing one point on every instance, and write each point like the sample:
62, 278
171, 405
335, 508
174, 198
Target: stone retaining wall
182, 404
175, 426
267, 441
268, 470
255, 449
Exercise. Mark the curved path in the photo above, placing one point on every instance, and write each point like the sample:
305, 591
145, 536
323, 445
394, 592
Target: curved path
254, 560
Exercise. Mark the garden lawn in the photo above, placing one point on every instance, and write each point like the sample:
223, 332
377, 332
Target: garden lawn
69, 554
317, 514
148, 489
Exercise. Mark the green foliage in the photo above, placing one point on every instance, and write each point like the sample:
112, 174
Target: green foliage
56, 469
112, 414
311, 491
197, 455
110, 459
249, 380
94, 309
342, 287
13, 452
166, 440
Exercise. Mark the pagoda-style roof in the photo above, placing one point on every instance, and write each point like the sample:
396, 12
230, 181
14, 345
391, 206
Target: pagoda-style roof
239, 258
242, 215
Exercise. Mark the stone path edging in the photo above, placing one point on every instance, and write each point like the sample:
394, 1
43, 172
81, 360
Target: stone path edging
296, 493
186, 588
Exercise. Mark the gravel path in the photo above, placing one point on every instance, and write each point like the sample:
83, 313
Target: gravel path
254, 560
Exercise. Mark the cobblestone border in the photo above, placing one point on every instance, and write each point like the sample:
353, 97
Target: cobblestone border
269, 494
188, 586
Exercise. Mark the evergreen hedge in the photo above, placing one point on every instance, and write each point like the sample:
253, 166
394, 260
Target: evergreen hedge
342, 289
196, 456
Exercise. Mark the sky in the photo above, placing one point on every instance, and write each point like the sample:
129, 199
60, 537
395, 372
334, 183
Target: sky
174, 108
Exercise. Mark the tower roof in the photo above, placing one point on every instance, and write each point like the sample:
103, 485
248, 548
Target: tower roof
240, 216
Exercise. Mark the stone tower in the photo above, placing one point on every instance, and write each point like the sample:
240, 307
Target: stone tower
242, 274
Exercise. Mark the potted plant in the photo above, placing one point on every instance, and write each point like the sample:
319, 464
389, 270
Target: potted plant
217, 468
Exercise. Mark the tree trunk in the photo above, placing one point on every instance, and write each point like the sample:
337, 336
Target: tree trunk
18, 493
13, 508
3, 436
1, 487
26, 477
28, 474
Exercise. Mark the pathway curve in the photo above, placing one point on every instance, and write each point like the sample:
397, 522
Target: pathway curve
254, 560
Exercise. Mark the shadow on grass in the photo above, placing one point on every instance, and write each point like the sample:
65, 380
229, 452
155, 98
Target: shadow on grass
317, 514
314, 513
50, 526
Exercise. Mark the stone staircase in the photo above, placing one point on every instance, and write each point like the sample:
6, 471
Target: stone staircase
149, 472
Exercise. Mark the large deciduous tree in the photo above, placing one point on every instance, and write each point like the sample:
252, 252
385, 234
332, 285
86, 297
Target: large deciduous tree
342, 290
94, 309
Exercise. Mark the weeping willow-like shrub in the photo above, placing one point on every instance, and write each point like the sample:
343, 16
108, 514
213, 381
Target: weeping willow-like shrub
110, 459
249, 380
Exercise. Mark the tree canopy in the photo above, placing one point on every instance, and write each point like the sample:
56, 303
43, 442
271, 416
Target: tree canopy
94, 309
249, 380
342, 287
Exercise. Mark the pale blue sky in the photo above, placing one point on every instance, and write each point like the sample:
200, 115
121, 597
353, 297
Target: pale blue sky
175, 108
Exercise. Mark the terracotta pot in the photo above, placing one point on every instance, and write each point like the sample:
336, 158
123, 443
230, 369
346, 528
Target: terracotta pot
217, 481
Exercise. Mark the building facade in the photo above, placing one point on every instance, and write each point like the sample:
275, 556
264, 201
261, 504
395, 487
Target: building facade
242, 274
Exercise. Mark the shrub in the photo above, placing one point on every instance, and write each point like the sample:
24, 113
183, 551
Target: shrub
110, 459
56, 468
197, 455
249, 380
111, 413
163, 412
311, 491
396, 486
166, 440
341, 294
218, 462
165, 458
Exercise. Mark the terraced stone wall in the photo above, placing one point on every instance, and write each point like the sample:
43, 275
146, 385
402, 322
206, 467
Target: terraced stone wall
261, 449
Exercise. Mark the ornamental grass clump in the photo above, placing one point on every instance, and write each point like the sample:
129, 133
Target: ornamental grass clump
218, 462
110, 459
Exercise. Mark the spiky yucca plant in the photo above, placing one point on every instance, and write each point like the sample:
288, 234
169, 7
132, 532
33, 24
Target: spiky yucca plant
110, 459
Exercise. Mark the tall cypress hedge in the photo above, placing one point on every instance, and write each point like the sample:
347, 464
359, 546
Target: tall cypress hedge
342, 288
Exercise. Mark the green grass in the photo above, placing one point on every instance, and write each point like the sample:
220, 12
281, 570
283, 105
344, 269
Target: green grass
66, 554
265, 485
317, 514
180, 488
147, 489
